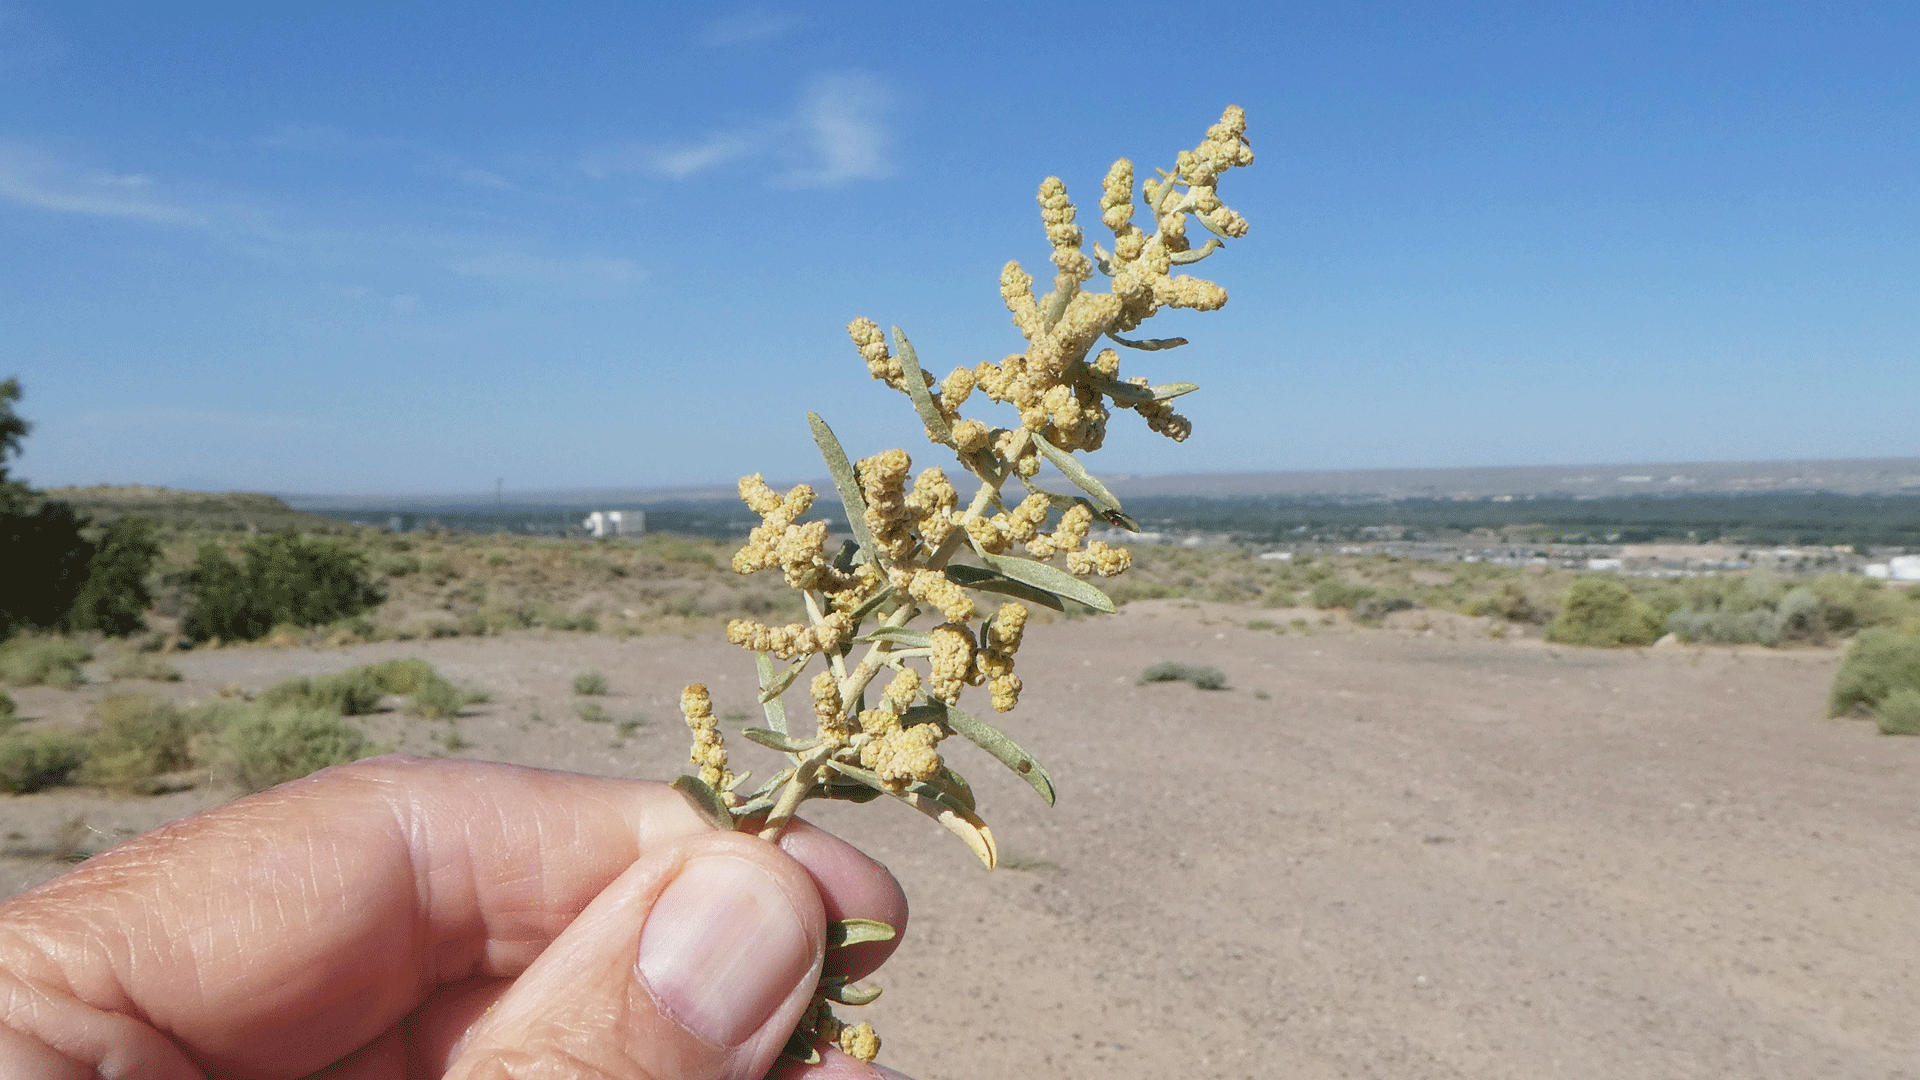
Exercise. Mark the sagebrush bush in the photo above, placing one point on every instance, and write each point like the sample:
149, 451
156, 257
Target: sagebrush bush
139, 737
139, 665
1202, 676
1899, 713
1602, 612
349, 693
282, 579
33, 761
590, 684
1877, 663
42, 661
7, 710
260, 747
1333, 592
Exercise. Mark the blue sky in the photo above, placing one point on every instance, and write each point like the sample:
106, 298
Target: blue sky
379, 248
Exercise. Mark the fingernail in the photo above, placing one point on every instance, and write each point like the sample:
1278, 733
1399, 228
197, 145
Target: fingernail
723, 948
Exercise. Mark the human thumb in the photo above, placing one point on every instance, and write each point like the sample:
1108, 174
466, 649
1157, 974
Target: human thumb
694, 964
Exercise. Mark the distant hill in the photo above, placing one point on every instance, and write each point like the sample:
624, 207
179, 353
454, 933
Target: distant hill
201, 509
1863, 476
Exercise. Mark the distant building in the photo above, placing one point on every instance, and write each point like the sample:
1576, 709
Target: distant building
604, 523
1605, 564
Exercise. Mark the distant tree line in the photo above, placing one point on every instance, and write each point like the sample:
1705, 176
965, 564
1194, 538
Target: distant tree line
59, 572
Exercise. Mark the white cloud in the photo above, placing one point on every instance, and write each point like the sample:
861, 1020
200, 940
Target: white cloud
841, 121
742, 27
835, 135
33, 178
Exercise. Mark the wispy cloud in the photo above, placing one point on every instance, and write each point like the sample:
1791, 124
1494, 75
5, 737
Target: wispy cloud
841, 120
33, 178
742, 27
835, 134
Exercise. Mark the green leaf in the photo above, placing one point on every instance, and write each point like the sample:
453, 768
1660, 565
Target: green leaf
1182, 258
870, 605
930, 414
837, 989
975, 577
776, 709
955, 785
857, 931
772, 690
1150, 344
1212, 228
995, 742
1073, 471
801, 1050
781, 741
705, 801
898, 635
1050, 579
844, 481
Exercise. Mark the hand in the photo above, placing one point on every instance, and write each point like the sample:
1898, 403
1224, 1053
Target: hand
404, 918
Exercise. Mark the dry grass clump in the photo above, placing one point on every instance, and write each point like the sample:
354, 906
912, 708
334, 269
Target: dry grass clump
259, 747
34, 660
590, 684
133, 664
32, 761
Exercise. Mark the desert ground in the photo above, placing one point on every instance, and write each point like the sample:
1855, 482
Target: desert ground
1416, 851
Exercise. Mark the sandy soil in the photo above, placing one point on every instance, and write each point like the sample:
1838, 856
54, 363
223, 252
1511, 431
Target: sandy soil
1378, 854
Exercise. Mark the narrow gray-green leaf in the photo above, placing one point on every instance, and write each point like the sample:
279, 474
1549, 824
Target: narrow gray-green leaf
1212, 228
1169, 391
780, 741
898, 635
844, 481
917, 390
1125, 393
1182, 258
1050, 579
857, 931
976, 577
780, 682
995, 742
799, 1049
705, 801
1057, 304
775, 708
955, 785
855, 772
1150, 344
836, 988
1075, 472
871, 605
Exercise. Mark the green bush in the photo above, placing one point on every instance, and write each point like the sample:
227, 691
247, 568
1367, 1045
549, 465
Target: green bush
590, 684
115, 598
1878, 663
436, 700
282, 579
592, 713
1334, 592
42, 661
33, 761
258, 748
139, 737
1899, 714
7, 710
1201, 676
1600, 611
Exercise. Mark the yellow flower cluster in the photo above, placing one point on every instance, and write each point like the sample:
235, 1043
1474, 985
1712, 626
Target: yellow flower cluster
793, 639
798, 550
854, 1040
709, 749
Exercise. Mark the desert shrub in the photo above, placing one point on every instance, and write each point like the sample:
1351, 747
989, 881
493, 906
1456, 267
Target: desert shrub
436, 700
349, 693
46, 558
260, 747
1600, 611
33, 761
285, 578
1899, 714
1878, 663
1201, 676
1511, 601
1756, 627
1333, 592
592, 713
7, 711
115, 598
400, 565
590, 684
42, 661
139, 737
402, 675
139, 665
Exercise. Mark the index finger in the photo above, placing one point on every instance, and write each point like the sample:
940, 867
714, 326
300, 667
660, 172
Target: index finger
278, 933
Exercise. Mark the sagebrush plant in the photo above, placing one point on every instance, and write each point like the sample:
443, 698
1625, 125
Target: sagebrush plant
917, 548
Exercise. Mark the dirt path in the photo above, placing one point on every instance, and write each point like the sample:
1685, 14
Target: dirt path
1412, 857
